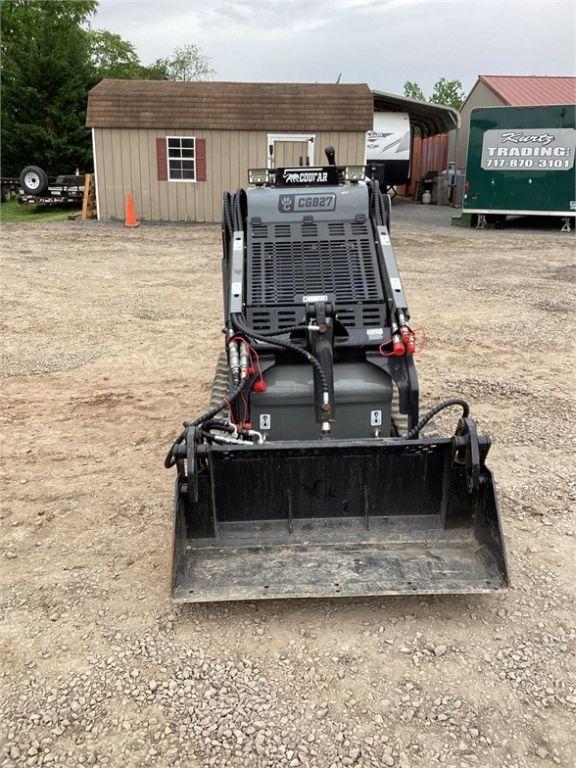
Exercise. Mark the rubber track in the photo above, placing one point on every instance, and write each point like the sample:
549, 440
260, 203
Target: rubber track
220, 381
399, 420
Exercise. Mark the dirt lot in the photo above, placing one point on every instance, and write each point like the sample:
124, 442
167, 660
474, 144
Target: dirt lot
109, 338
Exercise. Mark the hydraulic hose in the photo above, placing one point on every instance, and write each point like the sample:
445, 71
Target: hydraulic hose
170, 459
280, 331
239, 325
433, 411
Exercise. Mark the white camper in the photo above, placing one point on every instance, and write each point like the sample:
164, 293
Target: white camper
388, 148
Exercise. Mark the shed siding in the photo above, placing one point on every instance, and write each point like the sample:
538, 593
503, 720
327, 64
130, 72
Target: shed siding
126, 164
480, 96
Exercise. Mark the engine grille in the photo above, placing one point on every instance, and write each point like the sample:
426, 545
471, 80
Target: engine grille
350, 315
336, 258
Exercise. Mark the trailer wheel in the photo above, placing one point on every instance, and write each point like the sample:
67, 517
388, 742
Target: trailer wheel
6, 193
33, 180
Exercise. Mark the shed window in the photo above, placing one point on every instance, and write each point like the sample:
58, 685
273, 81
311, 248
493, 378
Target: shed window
181, 158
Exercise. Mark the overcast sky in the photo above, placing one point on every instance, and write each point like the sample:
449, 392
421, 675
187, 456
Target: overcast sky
381, 42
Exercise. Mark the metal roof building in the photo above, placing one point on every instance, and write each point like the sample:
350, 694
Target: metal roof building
508, 91
532, 90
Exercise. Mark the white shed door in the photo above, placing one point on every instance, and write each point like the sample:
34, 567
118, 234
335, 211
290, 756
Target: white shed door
290, 150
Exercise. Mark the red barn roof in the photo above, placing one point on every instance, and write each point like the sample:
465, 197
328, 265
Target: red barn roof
531, 90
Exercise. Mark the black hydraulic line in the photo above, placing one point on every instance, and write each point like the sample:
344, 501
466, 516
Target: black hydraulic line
239, 325
211, 412
433, 411
170, 459
218, 424
280, 331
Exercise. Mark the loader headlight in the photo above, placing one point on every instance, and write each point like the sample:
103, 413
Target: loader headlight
258, 176
354, 172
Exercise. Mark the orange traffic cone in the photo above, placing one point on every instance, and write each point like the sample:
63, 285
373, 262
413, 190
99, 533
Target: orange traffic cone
130, 220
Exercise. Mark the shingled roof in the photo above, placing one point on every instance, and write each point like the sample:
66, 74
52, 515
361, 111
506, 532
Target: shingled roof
230, 106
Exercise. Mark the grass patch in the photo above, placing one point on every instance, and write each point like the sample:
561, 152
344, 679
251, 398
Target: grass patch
14, 213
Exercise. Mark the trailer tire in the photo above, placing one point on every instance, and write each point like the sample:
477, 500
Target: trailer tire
33, 180
6, 193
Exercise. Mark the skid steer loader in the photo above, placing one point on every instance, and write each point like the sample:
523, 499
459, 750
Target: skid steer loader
308, 475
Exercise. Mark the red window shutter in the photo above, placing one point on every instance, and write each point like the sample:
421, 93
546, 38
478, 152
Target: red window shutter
161, 161
200, 159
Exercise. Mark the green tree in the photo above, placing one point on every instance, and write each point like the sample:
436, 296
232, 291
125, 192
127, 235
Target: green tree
153, 72
448, 92
46, 70
186, 63
112, 56
413, 91
50, 60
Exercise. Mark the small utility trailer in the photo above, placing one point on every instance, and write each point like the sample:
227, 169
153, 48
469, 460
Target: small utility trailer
521, 163
36, 188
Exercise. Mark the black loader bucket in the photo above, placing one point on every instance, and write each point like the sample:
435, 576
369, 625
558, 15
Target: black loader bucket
335, 518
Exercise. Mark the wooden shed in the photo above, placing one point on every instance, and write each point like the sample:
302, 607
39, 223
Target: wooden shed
178, 146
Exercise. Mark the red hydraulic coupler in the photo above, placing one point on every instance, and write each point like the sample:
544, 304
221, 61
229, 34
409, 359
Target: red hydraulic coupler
408, 339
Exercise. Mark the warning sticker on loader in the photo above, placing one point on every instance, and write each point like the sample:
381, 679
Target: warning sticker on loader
528, 149
375, 418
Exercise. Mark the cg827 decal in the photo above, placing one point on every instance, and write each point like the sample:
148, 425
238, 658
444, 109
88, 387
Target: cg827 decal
306, 202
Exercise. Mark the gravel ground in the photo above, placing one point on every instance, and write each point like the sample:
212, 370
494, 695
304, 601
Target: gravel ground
109, 339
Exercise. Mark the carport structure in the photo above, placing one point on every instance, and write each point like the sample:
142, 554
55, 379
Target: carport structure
428, 119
